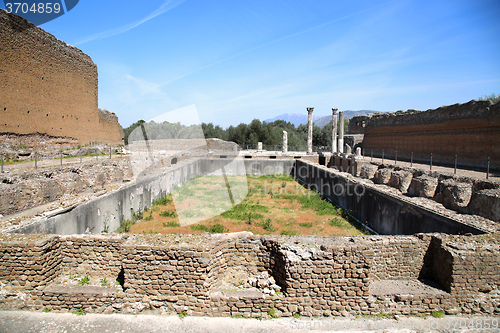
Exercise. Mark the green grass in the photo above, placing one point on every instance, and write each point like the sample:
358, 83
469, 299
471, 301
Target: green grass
306, 224
214, 229
437, 314
296, 315
163, 201
46, 310
168, 213
183, 314
244, 209
171, 224
80, 312
289, 233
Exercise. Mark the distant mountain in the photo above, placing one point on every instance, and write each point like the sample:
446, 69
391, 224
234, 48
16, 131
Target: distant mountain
347, 115
294, 118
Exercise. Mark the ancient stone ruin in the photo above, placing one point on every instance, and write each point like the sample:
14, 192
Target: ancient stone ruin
435, 243
468, 130
49, 87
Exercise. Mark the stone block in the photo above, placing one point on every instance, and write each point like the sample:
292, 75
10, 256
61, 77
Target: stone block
382, 176
401, 180
368, 171
486, 203
423, 186
454, 195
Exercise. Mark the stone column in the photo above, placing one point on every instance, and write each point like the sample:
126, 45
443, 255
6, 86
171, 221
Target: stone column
285, 142
259, 146
334, 130
310, 130
341, 132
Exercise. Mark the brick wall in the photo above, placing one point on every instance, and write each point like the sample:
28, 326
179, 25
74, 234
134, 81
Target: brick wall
49, 87
469, 130
318, 275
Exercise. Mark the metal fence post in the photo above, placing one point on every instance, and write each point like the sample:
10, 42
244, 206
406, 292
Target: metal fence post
411, 160
109, 152
80, 156
431, 161
1, 158
36, 155
396, 158
455, 172
488, 170
382, 156
96, 154
61, 156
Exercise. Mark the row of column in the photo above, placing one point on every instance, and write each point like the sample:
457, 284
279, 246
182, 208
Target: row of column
335, 148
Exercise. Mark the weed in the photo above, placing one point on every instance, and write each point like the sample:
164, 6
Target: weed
289, 233
272, 313
85, 280
218, 229
150, 217
168, 213
171, 224
104, 282
163, 201
46, 310
268, 225
214, 229
80, 312
437, 314
296, 315
183, 314
337, 222
278, 293
201, 227
306, 225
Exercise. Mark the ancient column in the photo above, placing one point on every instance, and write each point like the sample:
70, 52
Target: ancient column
259, 146
285, 142
310, 130
341, 132
334, 131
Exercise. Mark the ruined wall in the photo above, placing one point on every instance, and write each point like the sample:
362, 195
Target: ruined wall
469, 130
49, 87
320, 276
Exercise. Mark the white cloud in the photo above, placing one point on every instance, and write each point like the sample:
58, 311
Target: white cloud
165, 7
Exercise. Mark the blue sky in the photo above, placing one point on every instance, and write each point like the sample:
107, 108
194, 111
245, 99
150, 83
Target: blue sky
239, 60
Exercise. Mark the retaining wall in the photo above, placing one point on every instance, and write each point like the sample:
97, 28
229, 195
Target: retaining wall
319, 276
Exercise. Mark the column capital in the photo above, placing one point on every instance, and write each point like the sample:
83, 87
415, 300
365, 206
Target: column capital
334, 110
310, 110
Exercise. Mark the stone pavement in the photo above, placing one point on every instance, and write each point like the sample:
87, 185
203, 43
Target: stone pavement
39, 322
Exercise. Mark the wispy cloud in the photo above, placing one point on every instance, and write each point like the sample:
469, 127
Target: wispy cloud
165, 7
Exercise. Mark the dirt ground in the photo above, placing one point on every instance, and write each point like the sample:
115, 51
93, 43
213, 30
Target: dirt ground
269, 206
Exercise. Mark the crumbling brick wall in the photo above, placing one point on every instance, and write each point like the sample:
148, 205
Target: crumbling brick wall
49, 87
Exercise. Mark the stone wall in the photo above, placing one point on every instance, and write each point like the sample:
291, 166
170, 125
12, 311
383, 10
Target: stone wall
49, 87
469, 130
318, 276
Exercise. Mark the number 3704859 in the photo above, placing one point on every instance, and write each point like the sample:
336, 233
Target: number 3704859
40, 8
